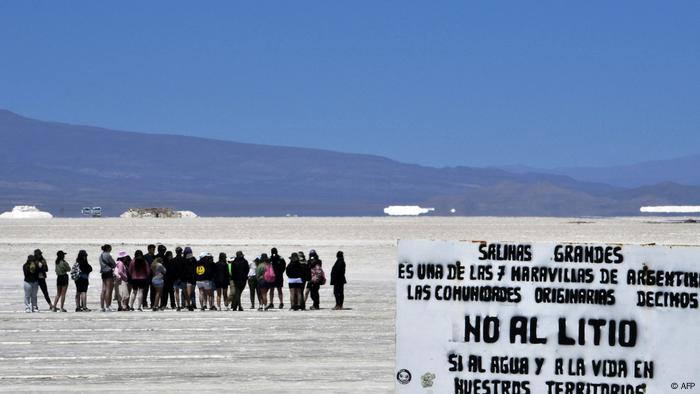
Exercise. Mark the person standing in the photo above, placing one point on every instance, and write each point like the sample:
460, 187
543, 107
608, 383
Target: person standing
159, 271
177, 268
253, 282
107, 266
149, 256
294, 273
338, 280
31, 284
83, 281
62, 270
262, 283
305, 278
140, 273
189, 277
278, 265
121, 280
43, 269
168, 282
221, 280
204, 274
318, 278
239, 277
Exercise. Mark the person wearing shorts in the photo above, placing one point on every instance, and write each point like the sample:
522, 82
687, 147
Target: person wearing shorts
158, 281
139, 272
107, 266
204, 274
82, 282
62, 271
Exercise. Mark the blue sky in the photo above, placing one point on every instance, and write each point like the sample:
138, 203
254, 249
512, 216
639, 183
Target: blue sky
546, 83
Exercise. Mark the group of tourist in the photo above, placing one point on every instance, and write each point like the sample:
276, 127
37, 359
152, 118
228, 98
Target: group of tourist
151, 279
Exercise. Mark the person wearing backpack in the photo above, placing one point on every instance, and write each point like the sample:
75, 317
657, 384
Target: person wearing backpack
338, 280
278, 265
107, 266
318, 278
62, 270
261, 271
82, 282
31, 284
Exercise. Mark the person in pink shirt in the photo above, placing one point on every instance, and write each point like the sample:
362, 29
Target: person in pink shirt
121, 281
140, 272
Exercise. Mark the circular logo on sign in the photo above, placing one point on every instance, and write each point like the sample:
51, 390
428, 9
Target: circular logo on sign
404, 376
200, 270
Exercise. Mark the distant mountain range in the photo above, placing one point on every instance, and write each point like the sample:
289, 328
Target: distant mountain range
683, 170
61, 168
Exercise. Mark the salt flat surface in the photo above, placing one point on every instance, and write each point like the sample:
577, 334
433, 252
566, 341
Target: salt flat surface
275, 351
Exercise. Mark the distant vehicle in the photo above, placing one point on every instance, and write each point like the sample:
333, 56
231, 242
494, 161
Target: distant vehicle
95, 212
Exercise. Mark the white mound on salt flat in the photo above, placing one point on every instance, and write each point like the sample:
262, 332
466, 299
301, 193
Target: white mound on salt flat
187, 214
672, 209
25, 212
406, 210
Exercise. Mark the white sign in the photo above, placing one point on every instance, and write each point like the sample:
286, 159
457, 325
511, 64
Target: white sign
547, 318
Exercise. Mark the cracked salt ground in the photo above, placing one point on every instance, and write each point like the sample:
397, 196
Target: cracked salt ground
276, 351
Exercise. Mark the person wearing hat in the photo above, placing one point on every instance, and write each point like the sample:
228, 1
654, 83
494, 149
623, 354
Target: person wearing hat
338, 280
62, 271
121, 280
31, 284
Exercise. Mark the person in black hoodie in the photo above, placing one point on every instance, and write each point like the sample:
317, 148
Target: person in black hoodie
168, 282
82, 282
278, 265
296, 283
204, 275
177, 268
221, 280
42, 269
338, 280
239, 277
188, 276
